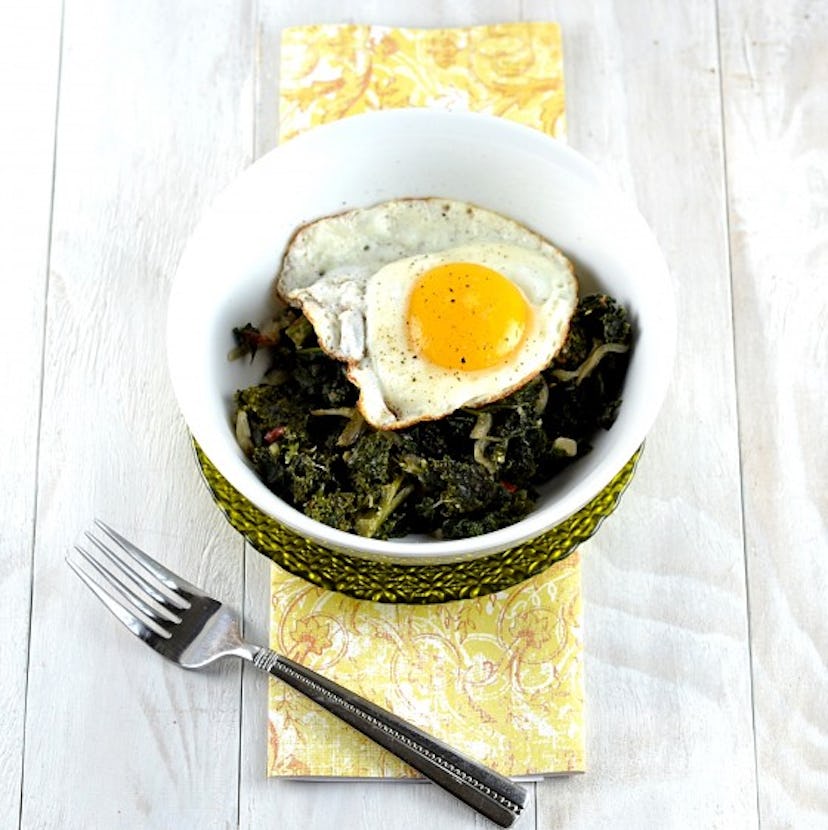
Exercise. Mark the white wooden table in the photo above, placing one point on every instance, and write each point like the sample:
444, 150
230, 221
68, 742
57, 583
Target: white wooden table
705, 596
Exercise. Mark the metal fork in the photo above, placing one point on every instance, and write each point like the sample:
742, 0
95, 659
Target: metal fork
192, 629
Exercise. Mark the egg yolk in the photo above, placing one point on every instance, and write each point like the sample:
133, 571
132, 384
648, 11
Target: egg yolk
464, 316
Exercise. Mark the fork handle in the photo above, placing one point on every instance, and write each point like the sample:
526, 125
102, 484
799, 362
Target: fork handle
491, 794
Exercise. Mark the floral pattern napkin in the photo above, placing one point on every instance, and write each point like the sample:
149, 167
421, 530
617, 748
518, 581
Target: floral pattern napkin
499, 677
513, 70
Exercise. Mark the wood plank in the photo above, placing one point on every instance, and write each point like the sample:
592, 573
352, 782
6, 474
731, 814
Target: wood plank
775, 81
334, 805
155, 117
28, 101
667, 669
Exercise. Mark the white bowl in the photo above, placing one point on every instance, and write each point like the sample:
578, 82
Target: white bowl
226, 275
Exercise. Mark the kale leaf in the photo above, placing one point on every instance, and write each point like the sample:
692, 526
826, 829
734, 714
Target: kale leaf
469, 473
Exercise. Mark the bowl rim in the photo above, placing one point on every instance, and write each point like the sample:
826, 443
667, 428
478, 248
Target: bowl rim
375, 124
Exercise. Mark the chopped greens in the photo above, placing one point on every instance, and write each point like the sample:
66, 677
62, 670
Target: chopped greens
469, 473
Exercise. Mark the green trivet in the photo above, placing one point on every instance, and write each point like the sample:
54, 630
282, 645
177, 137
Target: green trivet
421, 584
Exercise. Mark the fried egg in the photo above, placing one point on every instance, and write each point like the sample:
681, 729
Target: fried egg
432, 304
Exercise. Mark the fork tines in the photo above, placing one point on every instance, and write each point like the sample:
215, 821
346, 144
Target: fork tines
139, 591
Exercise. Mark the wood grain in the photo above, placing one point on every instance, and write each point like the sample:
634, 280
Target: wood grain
155, 117
776, 118
667, 672
26, 162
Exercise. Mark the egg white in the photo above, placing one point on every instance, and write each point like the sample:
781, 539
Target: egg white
357, 243
351, 274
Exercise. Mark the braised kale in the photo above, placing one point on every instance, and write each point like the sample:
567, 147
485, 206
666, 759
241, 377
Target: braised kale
469, 473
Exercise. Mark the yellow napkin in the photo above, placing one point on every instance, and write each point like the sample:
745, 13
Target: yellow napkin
499, 677
514, 70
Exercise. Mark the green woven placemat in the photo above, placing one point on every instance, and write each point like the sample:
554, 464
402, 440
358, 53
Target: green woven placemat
420, 584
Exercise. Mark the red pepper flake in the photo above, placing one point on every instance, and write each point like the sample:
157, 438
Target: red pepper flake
260, 339
508, 486
274, 434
